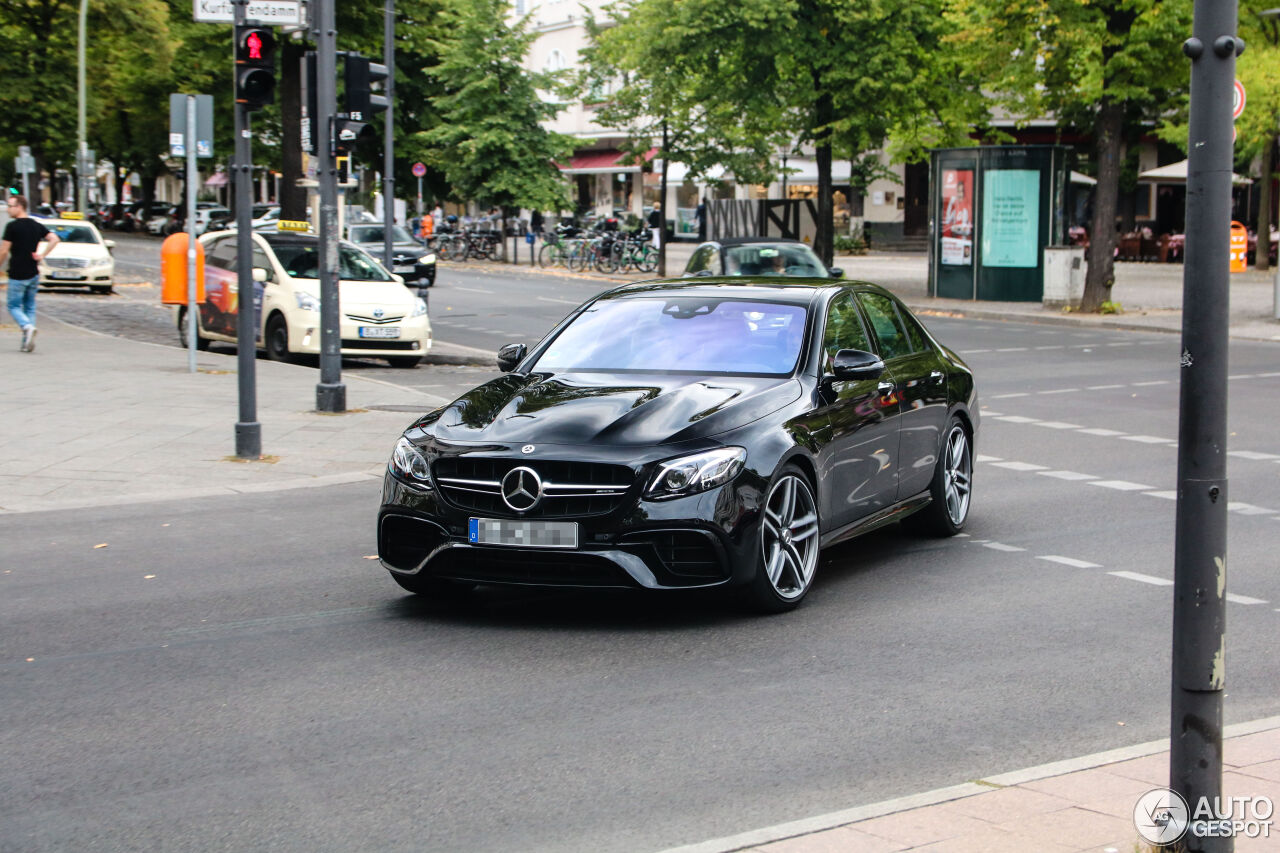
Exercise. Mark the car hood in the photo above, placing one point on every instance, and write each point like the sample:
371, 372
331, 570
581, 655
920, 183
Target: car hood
79, 250
352, 294
611, 409
375, 249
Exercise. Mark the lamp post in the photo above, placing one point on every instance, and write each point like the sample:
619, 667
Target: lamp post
81, 142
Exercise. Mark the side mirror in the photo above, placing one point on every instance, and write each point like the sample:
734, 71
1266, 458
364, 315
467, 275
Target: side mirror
110, 244
260, 274
836, 272
510, 355
855, 364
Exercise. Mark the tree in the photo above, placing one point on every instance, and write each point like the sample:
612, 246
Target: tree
1258, 128
490, 142
1107, 67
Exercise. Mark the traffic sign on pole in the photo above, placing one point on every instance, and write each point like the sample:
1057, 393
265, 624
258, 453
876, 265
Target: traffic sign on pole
419, 169
1238, 99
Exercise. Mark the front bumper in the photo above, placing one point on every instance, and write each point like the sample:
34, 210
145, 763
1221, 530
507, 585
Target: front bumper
415, 338
709, 539
99, 275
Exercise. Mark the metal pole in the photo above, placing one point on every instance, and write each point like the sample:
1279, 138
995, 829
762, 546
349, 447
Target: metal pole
81, 144
419, 198
1200, 545
331, 394
388, 136
248, 430
192, 315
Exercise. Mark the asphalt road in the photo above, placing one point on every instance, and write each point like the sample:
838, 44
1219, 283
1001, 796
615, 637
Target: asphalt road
234, 674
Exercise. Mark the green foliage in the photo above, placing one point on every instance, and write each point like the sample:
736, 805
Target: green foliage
490, 142
1109, 307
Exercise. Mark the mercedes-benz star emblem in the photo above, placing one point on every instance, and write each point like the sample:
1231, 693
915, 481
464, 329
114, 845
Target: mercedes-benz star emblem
377, 313
522, 489
528, 448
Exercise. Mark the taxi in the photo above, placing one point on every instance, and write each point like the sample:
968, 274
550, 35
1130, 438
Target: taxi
81, 258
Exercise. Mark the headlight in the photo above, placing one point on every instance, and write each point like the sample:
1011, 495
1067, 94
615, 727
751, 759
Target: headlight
427, 259
689, 475
307, 302
420, 309
409, 463
100, 262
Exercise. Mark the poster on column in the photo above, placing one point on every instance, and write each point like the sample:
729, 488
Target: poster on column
957, 217
1011, 218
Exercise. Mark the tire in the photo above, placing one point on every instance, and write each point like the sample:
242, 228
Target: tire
432, 587
405, 362
276, 339
951, 487
649, 259
548, 255
790, 542
202, 344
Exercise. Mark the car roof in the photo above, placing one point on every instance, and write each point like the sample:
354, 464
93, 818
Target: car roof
751, 241
49, 220
767, 288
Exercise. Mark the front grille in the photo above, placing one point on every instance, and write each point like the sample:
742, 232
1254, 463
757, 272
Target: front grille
67, 263
571, 489
358, 318
375, 343
497, 565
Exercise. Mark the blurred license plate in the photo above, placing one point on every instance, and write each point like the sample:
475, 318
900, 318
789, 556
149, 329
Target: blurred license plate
56, 274
379, 332
523, 534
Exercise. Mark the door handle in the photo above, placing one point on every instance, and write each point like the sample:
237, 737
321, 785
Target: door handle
886, 387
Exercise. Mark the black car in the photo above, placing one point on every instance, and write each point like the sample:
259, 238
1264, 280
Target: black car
409, 259
752, 256
687, 433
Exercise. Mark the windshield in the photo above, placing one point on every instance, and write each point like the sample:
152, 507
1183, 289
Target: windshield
680, 334
374, 234
778, 259
74, 233
301, 260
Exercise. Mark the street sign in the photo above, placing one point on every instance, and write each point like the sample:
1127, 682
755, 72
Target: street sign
24, 163
178, 125
284, 13
419, 169
1237, 102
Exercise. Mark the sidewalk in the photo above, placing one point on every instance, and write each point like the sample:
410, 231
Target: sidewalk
1084, 804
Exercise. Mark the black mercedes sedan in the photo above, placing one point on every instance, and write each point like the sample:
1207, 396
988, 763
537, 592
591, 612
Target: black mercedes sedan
682, 434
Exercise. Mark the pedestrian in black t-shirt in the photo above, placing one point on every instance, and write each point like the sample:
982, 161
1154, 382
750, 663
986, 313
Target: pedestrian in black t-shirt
700, 217
22, 237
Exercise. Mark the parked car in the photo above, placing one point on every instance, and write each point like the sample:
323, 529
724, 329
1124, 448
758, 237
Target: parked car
161, 220
81, 258
747, 256
381, 318
416, 265
687, 434
211, 218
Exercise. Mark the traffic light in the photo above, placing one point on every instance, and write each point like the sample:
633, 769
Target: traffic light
255, 66
361, 75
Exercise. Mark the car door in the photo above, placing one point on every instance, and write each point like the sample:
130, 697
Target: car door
920, 383
858, 459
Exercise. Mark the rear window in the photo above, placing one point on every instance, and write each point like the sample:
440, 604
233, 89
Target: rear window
780, 259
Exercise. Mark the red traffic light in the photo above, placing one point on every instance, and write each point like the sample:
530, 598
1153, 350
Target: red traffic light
256, 45
255, 66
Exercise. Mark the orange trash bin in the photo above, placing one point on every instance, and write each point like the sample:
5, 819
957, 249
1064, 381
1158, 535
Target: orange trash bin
1239, 247
173, 270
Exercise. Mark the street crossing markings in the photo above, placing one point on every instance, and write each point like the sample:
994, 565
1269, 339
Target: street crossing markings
1141, 578
1069, 561
1121, 485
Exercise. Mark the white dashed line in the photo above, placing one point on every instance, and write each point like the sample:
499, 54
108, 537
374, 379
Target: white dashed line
1068, 561
1017, 419
1067, 475
1169, 496
974, 351
1000, 546
1007, 396
1059, 391
1248, 509
981, 458
1243, 376
986, 413
1012, 349
1249, 454
1057, 425
1103, 432
1268, 375
561, 301
1121, 344
1148, 439
1244, 599
1120, 485
1140, 578
1145, 384
1054, 346
1020, 466
1103, 387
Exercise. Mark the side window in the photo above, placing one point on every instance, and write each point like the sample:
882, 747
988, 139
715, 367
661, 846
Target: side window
260, 260
701, 260
715, 264
223, 255
915, 334
844, 329
888, 328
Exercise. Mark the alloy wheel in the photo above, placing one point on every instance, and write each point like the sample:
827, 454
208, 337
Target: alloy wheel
789, 537
958, 474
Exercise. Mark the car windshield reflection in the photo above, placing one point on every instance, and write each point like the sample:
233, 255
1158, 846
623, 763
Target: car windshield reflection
303, 261
374, 234
781, 259
685, 335
74, 233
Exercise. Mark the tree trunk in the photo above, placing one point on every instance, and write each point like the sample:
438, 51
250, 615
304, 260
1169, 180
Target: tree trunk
823, 241
1263, 259
293, 198
1108, 151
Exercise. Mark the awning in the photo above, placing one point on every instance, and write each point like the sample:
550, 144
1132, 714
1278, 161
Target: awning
1081, 178
217, 179
802, 170
604, 162
1176, 173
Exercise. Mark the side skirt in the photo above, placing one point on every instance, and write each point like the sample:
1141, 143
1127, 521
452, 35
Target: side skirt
892, 514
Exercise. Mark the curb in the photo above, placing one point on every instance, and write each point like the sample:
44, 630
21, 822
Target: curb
833, 820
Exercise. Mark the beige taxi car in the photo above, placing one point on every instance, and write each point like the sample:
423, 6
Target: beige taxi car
81, 258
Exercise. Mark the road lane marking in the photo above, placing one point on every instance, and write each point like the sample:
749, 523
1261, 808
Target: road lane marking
1059, 391
561, 301
1017, 419
1000, 546
1012, 349
1120, 485
1169, 496
1147, 439
981, 458
1249, 454
1103, 387
1244, 599
1067, 475
1068, 561
1243, 376
1020, 466
1156, 382
1007, 396
1248, 509
471, 289
1103, 432
1057, 425
1141, 578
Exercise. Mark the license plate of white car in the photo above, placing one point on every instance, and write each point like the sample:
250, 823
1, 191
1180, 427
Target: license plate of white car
56, 274
523, 534
379, 332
